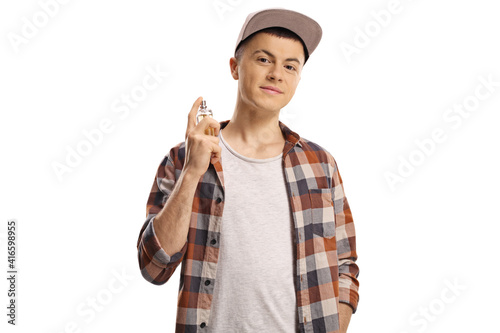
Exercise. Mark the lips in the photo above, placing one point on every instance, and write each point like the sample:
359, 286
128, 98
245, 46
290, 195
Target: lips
271, 90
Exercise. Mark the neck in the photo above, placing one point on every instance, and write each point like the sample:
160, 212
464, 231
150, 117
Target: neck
252, 126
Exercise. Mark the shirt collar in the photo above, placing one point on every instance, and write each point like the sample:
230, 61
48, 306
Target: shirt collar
291, 138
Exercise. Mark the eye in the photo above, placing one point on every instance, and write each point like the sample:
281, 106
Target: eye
290, 67
263, 60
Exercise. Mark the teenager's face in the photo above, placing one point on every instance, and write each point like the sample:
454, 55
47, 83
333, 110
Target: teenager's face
268, 61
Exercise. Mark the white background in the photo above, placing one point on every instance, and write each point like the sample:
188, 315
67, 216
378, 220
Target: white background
437, 226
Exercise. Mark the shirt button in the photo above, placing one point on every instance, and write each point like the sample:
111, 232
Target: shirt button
207, 282
202, 325
219, 200
213, 242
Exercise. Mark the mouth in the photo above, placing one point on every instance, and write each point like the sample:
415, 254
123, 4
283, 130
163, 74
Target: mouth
271, 90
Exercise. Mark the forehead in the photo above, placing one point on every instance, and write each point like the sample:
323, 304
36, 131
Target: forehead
278, 46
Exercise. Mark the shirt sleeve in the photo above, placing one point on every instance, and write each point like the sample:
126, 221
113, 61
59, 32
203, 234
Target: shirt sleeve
155, 264
346, 243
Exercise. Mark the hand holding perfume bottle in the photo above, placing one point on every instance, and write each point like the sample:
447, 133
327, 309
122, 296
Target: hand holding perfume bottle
202, 113
202, 141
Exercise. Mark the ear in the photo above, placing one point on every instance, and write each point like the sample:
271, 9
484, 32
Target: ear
233, 64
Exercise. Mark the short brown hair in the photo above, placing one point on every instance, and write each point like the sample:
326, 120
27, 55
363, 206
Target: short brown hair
275, 31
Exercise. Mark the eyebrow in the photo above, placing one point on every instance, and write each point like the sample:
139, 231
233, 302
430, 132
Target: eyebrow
272, 55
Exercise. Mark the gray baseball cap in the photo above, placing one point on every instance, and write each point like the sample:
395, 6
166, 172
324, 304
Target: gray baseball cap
305, 27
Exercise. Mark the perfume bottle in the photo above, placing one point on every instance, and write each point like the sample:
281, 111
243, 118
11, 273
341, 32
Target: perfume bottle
202, 113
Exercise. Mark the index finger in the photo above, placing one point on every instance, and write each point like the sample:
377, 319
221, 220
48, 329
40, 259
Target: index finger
192, 115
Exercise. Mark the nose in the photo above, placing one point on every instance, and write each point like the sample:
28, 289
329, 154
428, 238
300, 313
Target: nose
275, 74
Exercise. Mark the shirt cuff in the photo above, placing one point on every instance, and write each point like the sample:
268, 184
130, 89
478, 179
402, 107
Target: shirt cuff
350, 297
152, 245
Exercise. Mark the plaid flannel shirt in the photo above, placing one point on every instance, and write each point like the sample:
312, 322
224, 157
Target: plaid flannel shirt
325, 243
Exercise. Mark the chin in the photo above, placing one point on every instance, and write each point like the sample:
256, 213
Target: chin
274, 108
266, 102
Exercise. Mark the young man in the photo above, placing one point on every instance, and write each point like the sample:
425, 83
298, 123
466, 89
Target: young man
256, 214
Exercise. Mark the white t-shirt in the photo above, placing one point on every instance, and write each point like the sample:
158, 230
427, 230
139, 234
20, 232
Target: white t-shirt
254, 286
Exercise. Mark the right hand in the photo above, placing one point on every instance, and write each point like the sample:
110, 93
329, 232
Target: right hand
201, 149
